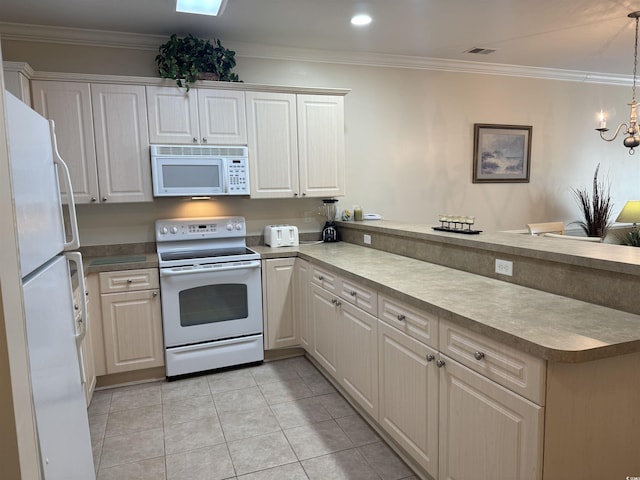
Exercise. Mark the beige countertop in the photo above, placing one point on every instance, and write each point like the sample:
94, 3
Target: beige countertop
549, 326
110, 263
604, 256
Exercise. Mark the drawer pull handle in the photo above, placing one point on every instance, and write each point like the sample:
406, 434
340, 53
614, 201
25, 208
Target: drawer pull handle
431, 357
353, 293
129, 280
478, 355
401, 317
440, 363
320, 277
338, 303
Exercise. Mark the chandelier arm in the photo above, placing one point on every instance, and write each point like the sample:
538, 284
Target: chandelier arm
615, 135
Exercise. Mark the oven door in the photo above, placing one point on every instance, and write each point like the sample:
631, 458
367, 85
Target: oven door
211, 302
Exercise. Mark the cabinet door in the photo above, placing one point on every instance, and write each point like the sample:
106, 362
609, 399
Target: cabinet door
321, 145
122, 143
222, 117
68, 104
132, 330
324, 320
273, 144
281, 325
408, 395
358, 357
173, 115
486, 431
301, 302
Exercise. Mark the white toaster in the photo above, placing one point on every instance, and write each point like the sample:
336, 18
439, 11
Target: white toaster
281, 236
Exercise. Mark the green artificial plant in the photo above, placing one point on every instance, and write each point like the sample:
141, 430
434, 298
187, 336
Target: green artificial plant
596, 207
188, 59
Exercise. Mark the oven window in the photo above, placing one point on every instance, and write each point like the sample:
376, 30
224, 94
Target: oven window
213, 303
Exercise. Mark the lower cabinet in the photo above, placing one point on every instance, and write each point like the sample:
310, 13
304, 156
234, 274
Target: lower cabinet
345, 344
301, 302
487, 432
131, 320
408, 395
325, 322
280, 327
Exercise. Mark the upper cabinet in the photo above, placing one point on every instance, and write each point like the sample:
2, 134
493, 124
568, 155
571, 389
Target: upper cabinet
122, 143
200, 116
321, 145
105, 124
102, 135
16, 80
68, 104
296, 144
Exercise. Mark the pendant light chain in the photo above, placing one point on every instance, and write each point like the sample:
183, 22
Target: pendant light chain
635, 65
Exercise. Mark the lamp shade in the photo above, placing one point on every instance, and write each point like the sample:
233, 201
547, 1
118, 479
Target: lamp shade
630, 213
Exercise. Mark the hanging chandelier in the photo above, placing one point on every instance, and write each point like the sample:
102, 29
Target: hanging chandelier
632, 130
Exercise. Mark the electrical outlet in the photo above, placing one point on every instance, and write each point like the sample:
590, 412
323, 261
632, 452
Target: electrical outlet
367, 239
504, 267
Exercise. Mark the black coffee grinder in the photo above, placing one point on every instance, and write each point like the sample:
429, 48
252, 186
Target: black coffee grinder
329, 231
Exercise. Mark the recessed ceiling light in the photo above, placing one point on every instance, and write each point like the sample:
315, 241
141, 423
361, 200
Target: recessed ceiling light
361, 20
201, 7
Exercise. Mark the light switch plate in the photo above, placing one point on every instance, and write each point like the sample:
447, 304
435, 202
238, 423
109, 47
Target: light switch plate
367, 239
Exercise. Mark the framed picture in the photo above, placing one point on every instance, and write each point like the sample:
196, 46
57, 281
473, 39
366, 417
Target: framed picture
501, 153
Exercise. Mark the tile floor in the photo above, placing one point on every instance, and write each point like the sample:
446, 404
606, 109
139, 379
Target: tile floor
281, 421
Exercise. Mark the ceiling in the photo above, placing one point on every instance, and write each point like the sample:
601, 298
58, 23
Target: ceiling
584, 35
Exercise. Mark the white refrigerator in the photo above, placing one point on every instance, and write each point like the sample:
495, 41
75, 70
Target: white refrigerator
46, 255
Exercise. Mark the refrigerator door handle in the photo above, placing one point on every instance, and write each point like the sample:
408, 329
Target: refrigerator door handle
76, 257
74, 242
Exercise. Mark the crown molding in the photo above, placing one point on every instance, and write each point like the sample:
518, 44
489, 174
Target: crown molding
102, 38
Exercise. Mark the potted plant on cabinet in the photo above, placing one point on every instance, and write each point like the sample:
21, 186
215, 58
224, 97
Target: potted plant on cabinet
596, 207
188, 59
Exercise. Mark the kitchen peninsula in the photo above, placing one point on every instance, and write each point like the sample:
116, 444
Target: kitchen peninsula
548, 380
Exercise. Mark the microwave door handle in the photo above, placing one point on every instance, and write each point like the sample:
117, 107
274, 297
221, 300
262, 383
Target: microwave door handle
63, 173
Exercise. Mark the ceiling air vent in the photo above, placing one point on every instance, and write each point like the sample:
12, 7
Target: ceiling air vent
481, 51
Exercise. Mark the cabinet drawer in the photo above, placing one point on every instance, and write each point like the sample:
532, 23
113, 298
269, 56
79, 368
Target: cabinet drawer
128, 280
324, 279
518, 371
362, 297
417, 324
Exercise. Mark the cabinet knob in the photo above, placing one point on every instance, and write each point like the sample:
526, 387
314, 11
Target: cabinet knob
353, 293
431, 357
295, 194
104, 199
304, 194
76, 306
478, 355
401, 317
338, 303
94, 199
129, 281
440, 363
333, 300
155, 294
320, 277
195, 140
204, 140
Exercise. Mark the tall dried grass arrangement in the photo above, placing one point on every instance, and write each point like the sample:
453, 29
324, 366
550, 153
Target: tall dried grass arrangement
596, 207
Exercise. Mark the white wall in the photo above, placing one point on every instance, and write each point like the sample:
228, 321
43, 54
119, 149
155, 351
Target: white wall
409, 143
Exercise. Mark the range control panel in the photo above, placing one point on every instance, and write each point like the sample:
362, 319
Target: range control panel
200, 228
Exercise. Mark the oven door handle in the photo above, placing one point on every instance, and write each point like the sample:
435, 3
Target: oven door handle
170, 272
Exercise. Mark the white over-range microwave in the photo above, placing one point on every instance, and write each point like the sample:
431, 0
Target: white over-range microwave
199, 170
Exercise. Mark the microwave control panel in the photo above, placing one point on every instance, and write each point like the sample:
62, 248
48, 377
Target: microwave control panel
238, 177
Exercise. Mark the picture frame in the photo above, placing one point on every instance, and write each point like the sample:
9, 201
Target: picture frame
501, 153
